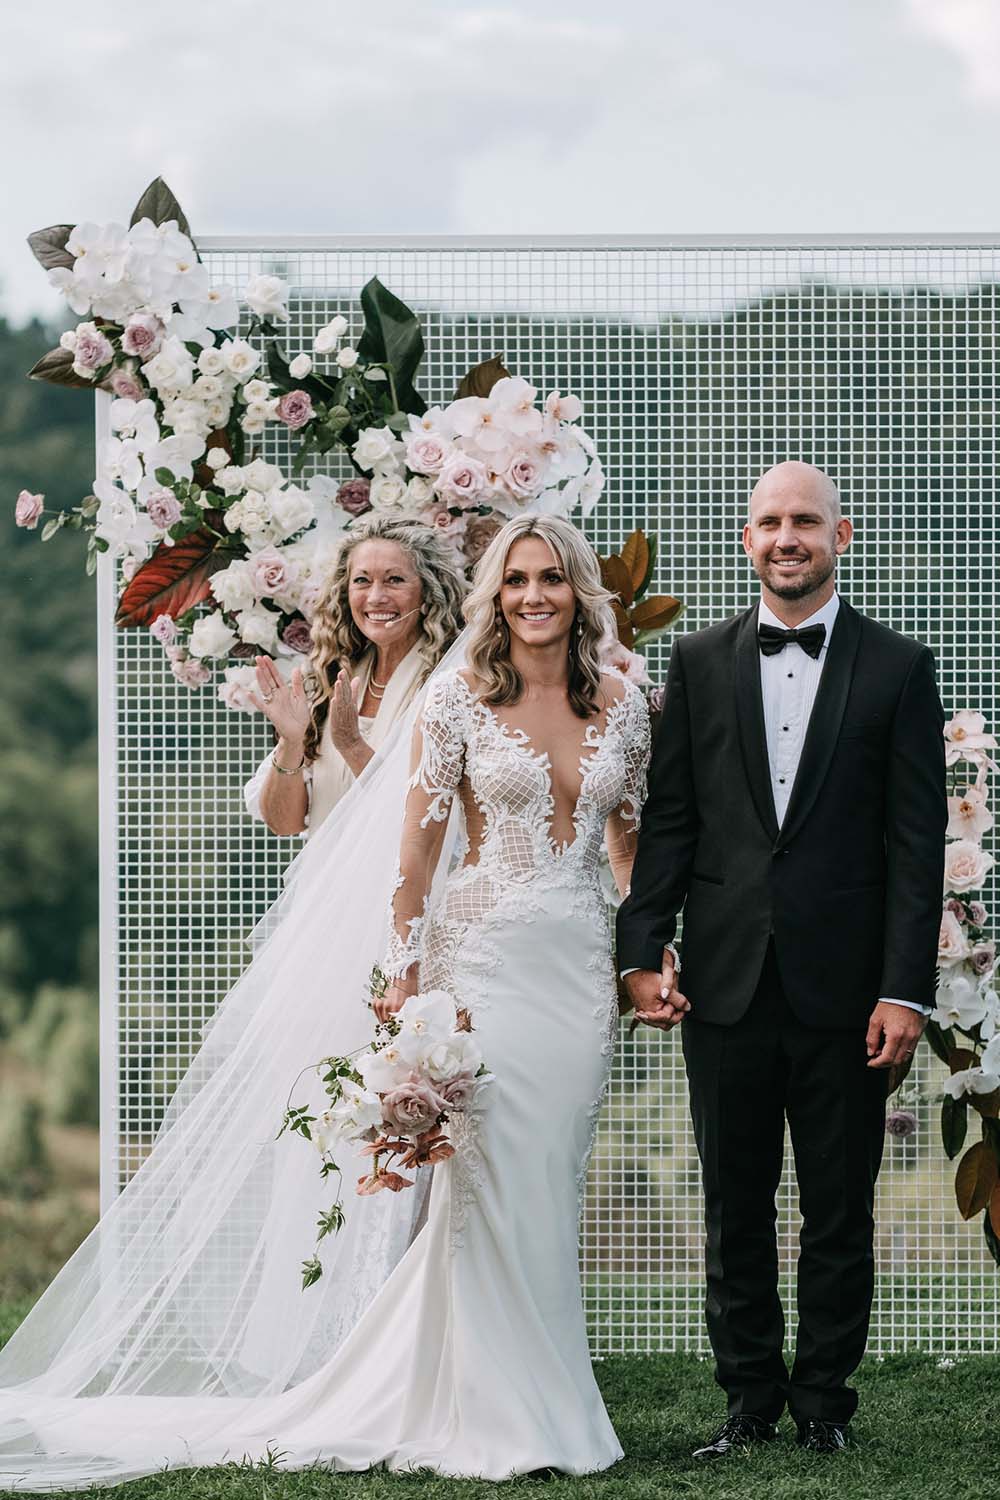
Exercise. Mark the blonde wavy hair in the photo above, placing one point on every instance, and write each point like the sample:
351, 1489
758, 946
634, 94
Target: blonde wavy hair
489, 642
337, 641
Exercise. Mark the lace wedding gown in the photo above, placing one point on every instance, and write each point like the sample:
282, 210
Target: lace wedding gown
472, 1358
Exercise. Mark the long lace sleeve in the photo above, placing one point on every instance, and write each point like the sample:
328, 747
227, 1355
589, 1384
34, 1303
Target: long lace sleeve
622, 832
438, 760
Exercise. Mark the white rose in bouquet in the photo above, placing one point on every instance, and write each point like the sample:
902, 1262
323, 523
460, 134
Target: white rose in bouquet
233, 587
240, 358
171, 369
347, 358
229, 478
965, 866
388, 493
300, 367
255, 518
211, 636
328, 337
267, 296
262, 476
259, 627
292, 509
376, 449
462, 480
211, 362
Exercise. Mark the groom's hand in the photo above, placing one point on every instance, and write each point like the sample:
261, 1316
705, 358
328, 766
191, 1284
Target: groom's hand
893, 1034
657, 1000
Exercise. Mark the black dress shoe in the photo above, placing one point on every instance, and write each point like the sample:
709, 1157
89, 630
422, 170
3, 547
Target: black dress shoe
823, 1437
739, 1432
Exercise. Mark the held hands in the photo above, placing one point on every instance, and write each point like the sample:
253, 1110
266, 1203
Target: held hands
657, 1000
893, 1034
284, 703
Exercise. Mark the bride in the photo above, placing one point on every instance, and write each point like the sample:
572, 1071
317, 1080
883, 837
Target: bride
177, 1336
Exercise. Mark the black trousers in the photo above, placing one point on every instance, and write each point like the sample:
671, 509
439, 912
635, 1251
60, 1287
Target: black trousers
744, 1081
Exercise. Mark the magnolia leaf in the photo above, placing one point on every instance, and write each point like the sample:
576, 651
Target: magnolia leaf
635, 556
961, 1059
993, 1209
991, 1221
653, 547
57, 368
616, 577
172, 581
392, 337
954, 1123
986, 1105
481, 379
656, 613
159, 204
940, 1041
625, 632
975, 1179
48, 246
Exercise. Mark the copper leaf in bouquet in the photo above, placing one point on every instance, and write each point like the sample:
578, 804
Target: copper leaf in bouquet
173, 580
56, 367
954, 1123
48, 246
654, 615
392, 338
635, 554
481, 379
616, 577
624, 626
159, 204
975, 1179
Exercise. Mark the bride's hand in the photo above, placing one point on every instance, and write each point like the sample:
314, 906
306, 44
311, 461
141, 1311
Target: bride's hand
284, 703
393, 1000
345, 731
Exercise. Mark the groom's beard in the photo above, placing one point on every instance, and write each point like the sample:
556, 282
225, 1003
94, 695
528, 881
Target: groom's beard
809, 581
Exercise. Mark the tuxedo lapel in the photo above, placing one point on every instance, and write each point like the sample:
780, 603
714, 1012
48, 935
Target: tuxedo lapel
750, 717
825, 720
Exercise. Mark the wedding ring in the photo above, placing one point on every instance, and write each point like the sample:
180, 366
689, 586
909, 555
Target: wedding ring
267, 697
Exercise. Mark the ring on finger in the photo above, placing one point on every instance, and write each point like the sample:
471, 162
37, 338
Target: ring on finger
267, 697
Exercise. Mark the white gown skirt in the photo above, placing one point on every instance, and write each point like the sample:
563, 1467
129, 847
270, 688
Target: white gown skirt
472, 1360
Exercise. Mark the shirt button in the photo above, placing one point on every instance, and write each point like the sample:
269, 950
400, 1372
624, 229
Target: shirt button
781, 780
791, 674
784, 728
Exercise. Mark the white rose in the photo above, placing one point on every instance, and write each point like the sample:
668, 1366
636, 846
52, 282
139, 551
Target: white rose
207, 388
267, 297
241, 358
375, 449
292, 510
419, 491
388, 492
256, 390
239, 684
300, 366
211, 362
262, 476
326, 339
965, 866
234, 517
171, 369
259, 627
233, 587
217, 458
230, 479
211, 636
347, 358
953, 945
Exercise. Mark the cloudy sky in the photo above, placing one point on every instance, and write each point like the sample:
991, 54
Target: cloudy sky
531, 116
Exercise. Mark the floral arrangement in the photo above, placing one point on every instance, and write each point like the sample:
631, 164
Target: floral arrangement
394, 1099
964, 1030
222, 554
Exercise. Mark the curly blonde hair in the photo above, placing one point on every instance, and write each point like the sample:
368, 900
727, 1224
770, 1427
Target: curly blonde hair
489, 642
337, 641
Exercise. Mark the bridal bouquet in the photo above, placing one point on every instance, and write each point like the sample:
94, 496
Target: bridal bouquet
964, 1030
393, 1100
222, 554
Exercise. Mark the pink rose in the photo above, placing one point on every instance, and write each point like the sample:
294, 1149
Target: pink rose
965, 866
478, 534
524, 476
977, 914
412, 1107
955, 907
126, 384
271, 573
295, 409
353, 496
164, 629
297, 635
27, 509
983, 957
442, 520
192, 673
142, 335
900, 1122
425, 453
91, 350
953, 945
459, 1091
462, 480
163, 508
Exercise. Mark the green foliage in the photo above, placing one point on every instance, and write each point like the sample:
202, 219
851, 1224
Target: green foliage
25, 1170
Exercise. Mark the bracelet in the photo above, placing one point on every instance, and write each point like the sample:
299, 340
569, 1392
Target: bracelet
283, 770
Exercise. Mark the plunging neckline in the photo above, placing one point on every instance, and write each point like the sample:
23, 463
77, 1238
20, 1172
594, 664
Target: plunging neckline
519, 739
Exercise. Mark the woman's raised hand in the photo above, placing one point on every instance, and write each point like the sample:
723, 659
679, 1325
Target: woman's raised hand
345, 731
284, 703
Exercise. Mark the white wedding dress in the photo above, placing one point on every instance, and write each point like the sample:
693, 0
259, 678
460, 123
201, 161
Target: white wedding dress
470, 1357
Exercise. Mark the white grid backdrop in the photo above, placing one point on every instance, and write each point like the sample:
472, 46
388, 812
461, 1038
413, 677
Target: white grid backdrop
699, 364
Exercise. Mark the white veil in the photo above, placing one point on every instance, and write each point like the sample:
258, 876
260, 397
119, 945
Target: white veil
190, 1285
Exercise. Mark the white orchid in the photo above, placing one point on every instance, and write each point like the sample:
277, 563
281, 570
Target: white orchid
136, 419
127, 531
969, 816
176, 453
121, 459
513, 399
959, 1002
972, 1081
223, 310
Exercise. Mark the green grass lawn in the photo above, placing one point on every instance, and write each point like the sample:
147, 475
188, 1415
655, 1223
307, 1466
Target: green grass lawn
921, 1430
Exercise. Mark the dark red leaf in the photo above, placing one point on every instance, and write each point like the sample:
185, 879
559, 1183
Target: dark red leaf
173, 580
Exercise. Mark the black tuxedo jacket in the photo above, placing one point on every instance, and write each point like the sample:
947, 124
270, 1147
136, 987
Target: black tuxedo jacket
850, 885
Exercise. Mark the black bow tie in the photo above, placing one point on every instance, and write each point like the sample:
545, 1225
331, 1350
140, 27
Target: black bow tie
771, 640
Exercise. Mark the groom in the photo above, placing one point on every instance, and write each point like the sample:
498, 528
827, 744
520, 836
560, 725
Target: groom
797, 813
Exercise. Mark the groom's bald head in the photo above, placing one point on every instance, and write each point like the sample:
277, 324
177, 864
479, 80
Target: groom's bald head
796, 479
795, 533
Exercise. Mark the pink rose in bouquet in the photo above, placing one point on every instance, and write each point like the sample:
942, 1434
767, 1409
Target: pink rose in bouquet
295, 409
28, 509
413, 1107
354, 496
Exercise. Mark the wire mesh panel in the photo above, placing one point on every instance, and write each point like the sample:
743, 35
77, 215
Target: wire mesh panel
698, 366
